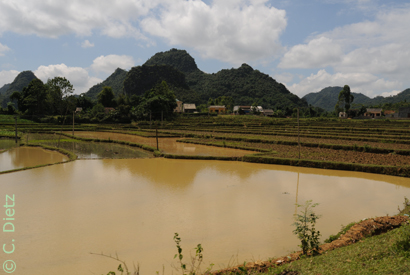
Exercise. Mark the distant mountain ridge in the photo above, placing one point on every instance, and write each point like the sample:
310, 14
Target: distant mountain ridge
328, 97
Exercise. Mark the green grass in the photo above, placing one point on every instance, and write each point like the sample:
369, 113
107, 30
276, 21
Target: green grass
376, 255
7, 119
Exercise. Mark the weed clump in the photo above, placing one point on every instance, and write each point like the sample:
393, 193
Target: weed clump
305, 228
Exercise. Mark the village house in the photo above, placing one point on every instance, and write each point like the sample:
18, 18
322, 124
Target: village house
373, 112
268, 112
179, 107
342, 115
245, 109
217, 109
189, 108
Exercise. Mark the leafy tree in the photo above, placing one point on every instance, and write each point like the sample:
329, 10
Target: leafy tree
32, 99
346, 97
58, 90
84, 102
106, 97
157, 101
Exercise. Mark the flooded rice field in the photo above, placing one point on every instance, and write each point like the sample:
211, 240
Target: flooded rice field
21, 157
167, 145
237, 211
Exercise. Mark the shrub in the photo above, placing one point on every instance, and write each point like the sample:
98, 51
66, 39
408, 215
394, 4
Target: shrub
305, 228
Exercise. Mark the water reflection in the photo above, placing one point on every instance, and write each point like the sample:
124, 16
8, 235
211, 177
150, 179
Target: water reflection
135, 206
27, 157
6, 143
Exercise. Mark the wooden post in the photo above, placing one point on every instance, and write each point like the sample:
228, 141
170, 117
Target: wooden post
73, 122
15, 125
156, 134
298, 133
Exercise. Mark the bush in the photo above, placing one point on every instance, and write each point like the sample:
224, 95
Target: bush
305, 228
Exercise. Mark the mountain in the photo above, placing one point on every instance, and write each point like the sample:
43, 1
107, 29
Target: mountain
143, 78
4, 89
328, 97
244, 84
21, 81
115, 81
179, 59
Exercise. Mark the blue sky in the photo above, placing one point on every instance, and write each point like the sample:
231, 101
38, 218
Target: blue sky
306, 45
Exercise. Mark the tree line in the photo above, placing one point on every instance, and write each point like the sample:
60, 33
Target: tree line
50, 101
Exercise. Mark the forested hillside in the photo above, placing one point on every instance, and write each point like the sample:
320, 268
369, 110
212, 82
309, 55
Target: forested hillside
245, 85
144, 78
115, 81
22, 80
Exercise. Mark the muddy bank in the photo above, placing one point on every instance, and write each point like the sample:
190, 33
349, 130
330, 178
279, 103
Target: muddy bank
366, 228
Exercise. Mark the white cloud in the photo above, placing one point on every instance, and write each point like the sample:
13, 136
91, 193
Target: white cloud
364, 83
87, 44
284, 77
77, 76
109, 63
319, 52
370, 56
392, 93
3, 49
6, 77
81, 17
234, 31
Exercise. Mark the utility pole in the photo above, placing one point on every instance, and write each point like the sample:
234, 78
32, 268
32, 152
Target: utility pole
298, 133
162, 118
73, 122
15, 117
156, 134
150, 119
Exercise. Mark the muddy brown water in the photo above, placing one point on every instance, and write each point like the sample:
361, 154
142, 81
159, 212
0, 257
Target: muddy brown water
237, 211
21, 157
168, 145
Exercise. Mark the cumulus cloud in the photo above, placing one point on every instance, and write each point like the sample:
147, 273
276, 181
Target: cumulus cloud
87, 44
81, 17
109, 63
234, 31
365, 83
319, 52
370, 56
3, 49
77, 76
6, 77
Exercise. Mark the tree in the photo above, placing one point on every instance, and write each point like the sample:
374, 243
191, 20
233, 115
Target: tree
158, 101
32, 98
346, 97
106, 97
58, 90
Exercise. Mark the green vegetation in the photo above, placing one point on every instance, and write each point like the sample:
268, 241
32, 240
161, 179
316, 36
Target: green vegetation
21, 81
245, 85
327, 98
305, 228
383, 254
115, 81
344, 97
